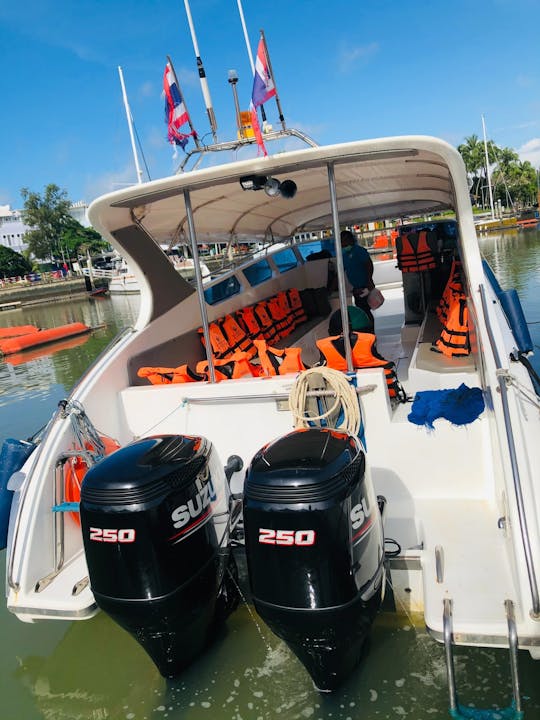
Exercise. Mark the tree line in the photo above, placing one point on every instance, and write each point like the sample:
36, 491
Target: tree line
54, 236
514, 182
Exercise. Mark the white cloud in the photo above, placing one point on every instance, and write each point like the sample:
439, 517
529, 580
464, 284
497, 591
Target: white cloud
524, 81
349, 56
147, 89
530, 151
110, 181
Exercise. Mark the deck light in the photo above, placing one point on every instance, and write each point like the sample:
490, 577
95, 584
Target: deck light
253, 182
272, 187
288, 189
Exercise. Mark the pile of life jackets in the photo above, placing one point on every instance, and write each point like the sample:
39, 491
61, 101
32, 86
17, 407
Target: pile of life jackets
242, 342
271, 320
417, 251
453, 313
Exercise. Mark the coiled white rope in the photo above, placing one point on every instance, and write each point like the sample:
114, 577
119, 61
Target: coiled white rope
303, 400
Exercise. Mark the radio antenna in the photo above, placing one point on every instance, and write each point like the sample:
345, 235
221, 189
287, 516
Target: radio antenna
202, 75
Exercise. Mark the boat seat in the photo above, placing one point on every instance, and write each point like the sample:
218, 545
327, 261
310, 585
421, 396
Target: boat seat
430, 329
425, 358
429, 370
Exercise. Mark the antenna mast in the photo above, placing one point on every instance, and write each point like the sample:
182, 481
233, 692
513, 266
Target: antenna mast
250, 54
202, 75
248, 46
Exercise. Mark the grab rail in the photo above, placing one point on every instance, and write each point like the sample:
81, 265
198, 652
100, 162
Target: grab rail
59, 521
514, 464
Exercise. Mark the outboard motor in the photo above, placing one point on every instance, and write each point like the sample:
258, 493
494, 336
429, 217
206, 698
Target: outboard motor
314, 548
155, 524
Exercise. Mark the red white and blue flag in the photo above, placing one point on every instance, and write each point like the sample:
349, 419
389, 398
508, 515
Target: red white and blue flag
176, 114
263, 90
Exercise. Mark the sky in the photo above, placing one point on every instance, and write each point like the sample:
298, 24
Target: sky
344, 70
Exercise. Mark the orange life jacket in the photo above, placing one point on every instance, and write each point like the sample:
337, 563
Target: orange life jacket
266, 322
455, 339
279, 362
237, 338
236, 366
168, 376
284, 304
364, 355
295, 303
453, 287
279, 316
218, 341
247, 316
414, 253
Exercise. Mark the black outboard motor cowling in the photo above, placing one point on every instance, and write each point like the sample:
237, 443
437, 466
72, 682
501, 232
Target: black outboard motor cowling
155, 524
314, 547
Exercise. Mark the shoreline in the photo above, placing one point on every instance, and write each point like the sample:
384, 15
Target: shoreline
41, 293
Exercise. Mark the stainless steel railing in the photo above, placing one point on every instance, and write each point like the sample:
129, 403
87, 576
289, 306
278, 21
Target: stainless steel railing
533, 584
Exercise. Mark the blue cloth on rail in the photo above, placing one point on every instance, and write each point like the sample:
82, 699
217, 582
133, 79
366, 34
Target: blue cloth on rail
463, 712
460, 406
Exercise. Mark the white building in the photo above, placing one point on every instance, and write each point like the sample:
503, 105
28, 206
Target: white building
13, 230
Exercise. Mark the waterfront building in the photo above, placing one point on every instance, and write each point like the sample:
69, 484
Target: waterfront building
13, 229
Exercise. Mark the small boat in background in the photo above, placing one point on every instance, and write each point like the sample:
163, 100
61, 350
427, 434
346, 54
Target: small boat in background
98, 292
529, 218
124, 282
94, 290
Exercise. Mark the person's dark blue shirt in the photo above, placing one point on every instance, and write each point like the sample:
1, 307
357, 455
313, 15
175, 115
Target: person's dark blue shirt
357, 265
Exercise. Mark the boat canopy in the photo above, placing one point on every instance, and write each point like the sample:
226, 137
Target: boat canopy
376, 179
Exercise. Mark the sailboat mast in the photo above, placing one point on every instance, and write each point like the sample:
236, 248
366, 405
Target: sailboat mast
130, 126
487, 171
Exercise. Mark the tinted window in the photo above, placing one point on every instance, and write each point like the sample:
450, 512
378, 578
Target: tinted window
222, 291
315, 247
285, 260
258, 273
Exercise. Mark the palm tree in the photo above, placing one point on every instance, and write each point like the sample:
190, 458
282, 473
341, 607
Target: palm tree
472, 152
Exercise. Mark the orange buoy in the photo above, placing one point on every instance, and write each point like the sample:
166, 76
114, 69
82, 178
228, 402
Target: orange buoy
40, 337
76, 468
46, 350
15, 330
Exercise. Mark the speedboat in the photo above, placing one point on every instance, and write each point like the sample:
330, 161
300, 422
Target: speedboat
412, 474
126, 282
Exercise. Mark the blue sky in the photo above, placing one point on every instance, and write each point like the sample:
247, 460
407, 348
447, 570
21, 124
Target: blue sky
344, 70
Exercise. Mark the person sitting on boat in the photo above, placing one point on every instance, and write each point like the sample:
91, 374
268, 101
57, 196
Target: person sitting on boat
358, 321
359, 271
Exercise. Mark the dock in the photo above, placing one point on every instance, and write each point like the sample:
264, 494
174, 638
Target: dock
14, 305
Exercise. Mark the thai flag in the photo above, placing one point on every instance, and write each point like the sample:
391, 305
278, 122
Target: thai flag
263, 84
176, 114
263, 90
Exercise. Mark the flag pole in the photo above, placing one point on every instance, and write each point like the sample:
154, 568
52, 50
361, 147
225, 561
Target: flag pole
193, 131
250, 54
130, 126
202, 75
281, 116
